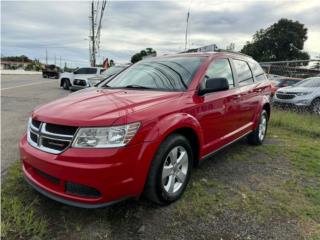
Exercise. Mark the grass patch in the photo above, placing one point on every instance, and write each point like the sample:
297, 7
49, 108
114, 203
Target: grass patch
20, 218
301, 123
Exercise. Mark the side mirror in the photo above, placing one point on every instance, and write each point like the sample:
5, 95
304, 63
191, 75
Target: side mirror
215, 85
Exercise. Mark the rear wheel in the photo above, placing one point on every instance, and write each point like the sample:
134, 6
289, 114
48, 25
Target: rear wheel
170, 170
315, 106
66, 84
258, 135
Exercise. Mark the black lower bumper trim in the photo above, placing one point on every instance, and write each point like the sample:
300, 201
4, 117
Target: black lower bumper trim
71, 203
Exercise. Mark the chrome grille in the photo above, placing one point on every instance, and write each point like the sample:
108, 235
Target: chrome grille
285, 96
50, 138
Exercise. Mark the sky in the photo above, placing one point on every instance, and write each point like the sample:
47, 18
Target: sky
62, 27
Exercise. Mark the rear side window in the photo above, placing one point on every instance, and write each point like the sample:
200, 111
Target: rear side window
243, 71
220, 69
257, 71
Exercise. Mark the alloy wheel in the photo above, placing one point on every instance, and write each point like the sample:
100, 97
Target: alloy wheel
175, 169
262, 127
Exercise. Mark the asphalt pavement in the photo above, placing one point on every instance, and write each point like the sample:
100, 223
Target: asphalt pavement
19, 95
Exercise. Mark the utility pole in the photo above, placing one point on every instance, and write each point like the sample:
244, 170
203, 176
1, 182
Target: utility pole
95, 18
60, 62
93, 52
186, 36
46, 56
55, 60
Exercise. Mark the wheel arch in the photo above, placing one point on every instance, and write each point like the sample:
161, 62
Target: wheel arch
264, 104
183, 124
267, 107
64, 79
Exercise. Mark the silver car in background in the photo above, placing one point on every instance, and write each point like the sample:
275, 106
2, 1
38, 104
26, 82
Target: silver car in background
305, 94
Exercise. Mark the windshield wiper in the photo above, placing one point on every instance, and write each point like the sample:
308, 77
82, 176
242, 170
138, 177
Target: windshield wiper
136, 86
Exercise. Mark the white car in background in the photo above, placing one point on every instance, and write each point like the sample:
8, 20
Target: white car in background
305, 94
67, 79
81, 82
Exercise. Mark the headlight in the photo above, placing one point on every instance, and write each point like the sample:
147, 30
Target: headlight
302, 93
105, 137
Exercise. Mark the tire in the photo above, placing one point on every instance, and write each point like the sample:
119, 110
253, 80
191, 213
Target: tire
315, 106
258, 135
66, 84
168, 179
44, 76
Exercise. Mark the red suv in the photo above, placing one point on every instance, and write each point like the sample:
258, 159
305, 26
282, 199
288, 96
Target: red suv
144, 130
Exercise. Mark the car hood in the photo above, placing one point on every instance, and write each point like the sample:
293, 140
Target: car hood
100, 107
65, 74
296, 89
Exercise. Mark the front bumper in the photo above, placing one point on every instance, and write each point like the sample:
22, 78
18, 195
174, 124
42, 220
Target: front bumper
298, 101
112, 174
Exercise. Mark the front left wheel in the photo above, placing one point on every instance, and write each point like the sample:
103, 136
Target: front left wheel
66, 84
170, 170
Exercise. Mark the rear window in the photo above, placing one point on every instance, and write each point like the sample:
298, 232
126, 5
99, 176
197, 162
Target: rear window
243, 71
257, 71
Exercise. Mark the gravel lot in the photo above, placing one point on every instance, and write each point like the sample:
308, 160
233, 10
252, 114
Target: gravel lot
19, 95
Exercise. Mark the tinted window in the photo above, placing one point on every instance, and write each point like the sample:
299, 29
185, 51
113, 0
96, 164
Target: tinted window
78, 71
285, 82
173, 73
220, 69
257, 72
89, 71
243, 72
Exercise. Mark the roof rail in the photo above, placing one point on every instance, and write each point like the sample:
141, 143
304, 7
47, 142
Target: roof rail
229, 51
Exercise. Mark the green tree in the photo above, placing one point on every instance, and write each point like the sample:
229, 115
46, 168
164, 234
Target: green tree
142, 54
281, 41
21, 58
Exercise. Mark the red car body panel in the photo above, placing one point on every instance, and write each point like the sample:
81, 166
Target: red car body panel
216, 119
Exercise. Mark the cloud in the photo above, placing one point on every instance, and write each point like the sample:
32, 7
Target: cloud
62, 26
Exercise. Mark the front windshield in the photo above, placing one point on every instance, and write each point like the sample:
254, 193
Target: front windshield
309, 82
172, 74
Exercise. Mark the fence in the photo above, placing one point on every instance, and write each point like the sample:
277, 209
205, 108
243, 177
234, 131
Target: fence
289, 73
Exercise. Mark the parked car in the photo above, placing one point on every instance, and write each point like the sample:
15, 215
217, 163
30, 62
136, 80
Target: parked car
67, 79
51, 71
283, 82
305, 94
143, 131
85, 82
